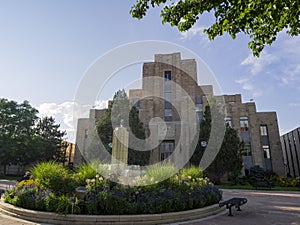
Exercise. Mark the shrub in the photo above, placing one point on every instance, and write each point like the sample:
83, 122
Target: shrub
84, 172
183, 191
193, 172
53, 176
288, 182
159, 172
29, 195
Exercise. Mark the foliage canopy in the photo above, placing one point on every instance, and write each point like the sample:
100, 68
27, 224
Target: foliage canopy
261, 20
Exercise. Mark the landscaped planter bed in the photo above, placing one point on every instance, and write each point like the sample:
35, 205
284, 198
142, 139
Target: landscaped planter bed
158, 195
54, 218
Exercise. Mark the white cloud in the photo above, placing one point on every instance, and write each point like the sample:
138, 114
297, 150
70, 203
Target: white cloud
195, 31
257, 64
67, 113
294, 104
101, 104
247, 84
290, 75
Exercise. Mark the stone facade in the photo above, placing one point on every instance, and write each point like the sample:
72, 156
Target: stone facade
171, 104
261, 149
85, 128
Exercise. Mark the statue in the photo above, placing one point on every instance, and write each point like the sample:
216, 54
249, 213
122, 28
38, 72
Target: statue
120, 145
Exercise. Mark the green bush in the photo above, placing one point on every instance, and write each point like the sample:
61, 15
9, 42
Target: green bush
53, 176
84, 172
184, 190
288, 182
193, 172
159, 172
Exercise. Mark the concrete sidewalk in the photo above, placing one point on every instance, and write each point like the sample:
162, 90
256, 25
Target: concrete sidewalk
263, 207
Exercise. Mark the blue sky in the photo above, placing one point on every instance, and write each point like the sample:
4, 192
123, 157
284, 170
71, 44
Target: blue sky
47, 46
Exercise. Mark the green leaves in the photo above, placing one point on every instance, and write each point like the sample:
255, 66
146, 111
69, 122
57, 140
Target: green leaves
22, 141
261, 20
120, 109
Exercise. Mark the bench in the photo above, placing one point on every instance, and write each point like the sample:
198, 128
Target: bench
236, 202
262, 183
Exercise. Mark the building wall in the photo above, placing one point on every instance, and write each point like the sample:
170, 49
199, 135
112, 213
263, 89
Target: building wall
269, 119
150, 101
182, 87
291, 152
235, 109
85, 128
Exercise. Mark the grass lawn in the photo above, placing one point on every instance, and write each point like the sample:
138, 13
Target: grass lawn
249, 187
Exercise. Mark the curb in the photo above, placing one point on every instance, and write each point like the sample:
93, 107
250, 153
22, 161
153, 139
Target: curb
53, 218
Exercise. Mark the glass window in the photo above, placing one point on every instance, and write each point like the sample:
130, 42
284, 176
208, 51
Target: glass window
245, 135
246, 151
198, 99
199, 107
166, 149
265, 140
168, 118
168, 75
228, 121
168, 96
266, 150
263, 130
167, 86
168, 112
244, 123
168, 105
200, 116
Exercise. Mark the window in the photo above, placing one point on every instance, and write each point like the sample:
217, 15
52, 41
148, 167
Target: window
266, 150
167, 86
263, 130
198, 99
246, 151
244, 124
86, 133
168, 97
166, 149
200, 116
168, 75
228, 121
265, 141
168, 112
199, 107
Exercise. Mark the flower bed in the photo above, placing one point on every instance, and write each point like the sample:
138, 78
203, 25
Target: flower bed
53, 191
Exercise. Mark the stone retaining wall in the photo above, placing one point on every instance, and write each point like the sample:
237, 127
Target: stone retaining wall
53, 218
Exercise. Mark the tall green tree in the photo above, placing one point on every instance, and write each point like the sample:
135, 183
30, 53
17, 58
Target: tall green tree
260, 20
229, 159
202, 140
49, 140
16, 132
116, 112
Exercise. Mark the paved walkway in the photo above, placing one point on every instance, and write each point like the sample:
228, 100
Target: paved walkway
263, 207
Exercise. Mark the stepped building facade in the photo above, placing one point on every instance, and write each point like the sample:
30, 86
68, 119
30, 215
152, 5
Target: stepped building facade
171, 104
